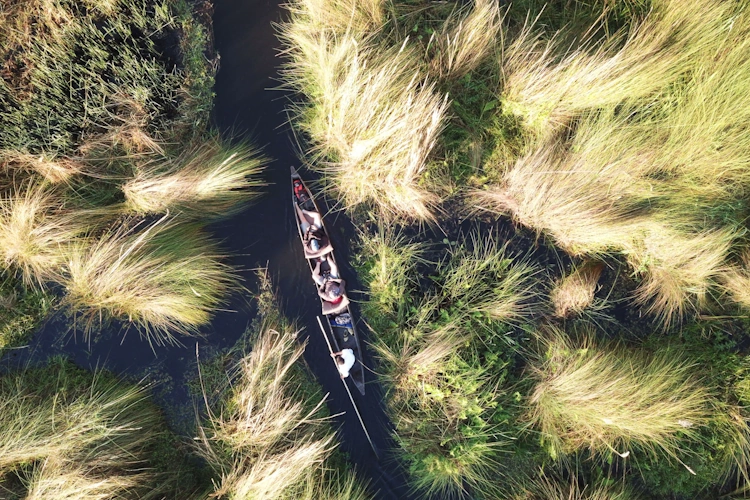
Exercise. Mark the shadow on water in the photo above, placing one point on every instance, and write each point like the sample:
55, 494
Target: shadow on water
264, 234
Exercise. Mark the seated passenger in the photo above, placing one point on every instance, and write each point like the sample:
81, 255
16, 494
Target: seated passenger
344, 361
330, 288
314, 238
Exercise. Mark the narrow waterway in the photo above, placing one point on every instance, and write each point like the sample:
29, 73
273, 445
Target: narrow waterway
246, 106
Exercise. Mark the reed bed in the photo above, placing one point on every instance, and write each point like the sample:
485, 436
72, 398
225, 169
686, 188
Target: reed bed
371, 115
66, 436
211, 180
355, 17
162, 278
53, 47
271, 440
612, 399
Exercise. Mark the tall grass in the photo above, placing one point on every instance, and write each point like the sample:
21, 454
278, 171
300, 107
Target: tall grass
465, 39
612, 399
549, 83
488, 281
35, 232
434, 397
444, 352
390, 271
70, 437
546, 488
270, 439
355, 17
161, 278
651, 172
53, 168
212, 179
371, 116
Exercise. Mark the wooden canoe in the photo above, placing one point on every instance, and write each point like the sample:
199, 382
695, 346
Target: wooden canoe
340, 327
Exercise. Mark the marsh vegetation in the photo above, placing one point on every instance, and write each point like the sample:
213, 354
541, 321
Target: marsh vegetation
604, 335
110, 168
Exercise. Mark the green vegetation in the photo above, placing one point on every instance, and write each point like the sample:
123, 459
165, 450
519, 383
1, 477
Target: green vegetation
613, 132
444, 355
69, 434
105, 119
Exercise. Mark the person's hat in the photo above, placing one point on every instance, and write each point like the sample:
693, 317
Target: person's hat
314, 245
335, 291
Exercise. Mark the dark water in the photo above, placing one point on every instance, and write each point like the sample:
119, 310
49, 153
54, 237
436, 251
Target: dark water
248, 47
263, 235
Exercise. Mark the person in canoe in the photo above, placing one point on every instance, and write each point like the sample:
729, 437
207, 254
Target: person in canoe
314, 238
344, 361
330, 287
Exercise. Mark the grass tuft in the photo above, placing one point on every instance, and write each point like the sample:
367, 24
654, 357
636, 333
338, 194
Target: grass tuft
162, 279
271, 438
465, 39
35, 233
211, 179
65, 436
372, 117
612, 399
574, 292
487, 281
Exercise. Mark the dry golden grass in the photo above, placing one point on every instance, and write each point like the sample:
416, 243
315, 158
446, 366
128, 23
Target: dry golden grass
67, 439
584, 208
574, 292
354, 17
55, 479
546, 488
372, 117
465, 39
679, 269
270, 440
549, 83
51, 167
211, 180
35, 232
609, 398
163, 279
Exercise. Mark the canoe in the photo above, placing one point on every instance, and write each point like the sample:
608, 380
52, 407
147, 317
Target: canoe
339, 328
